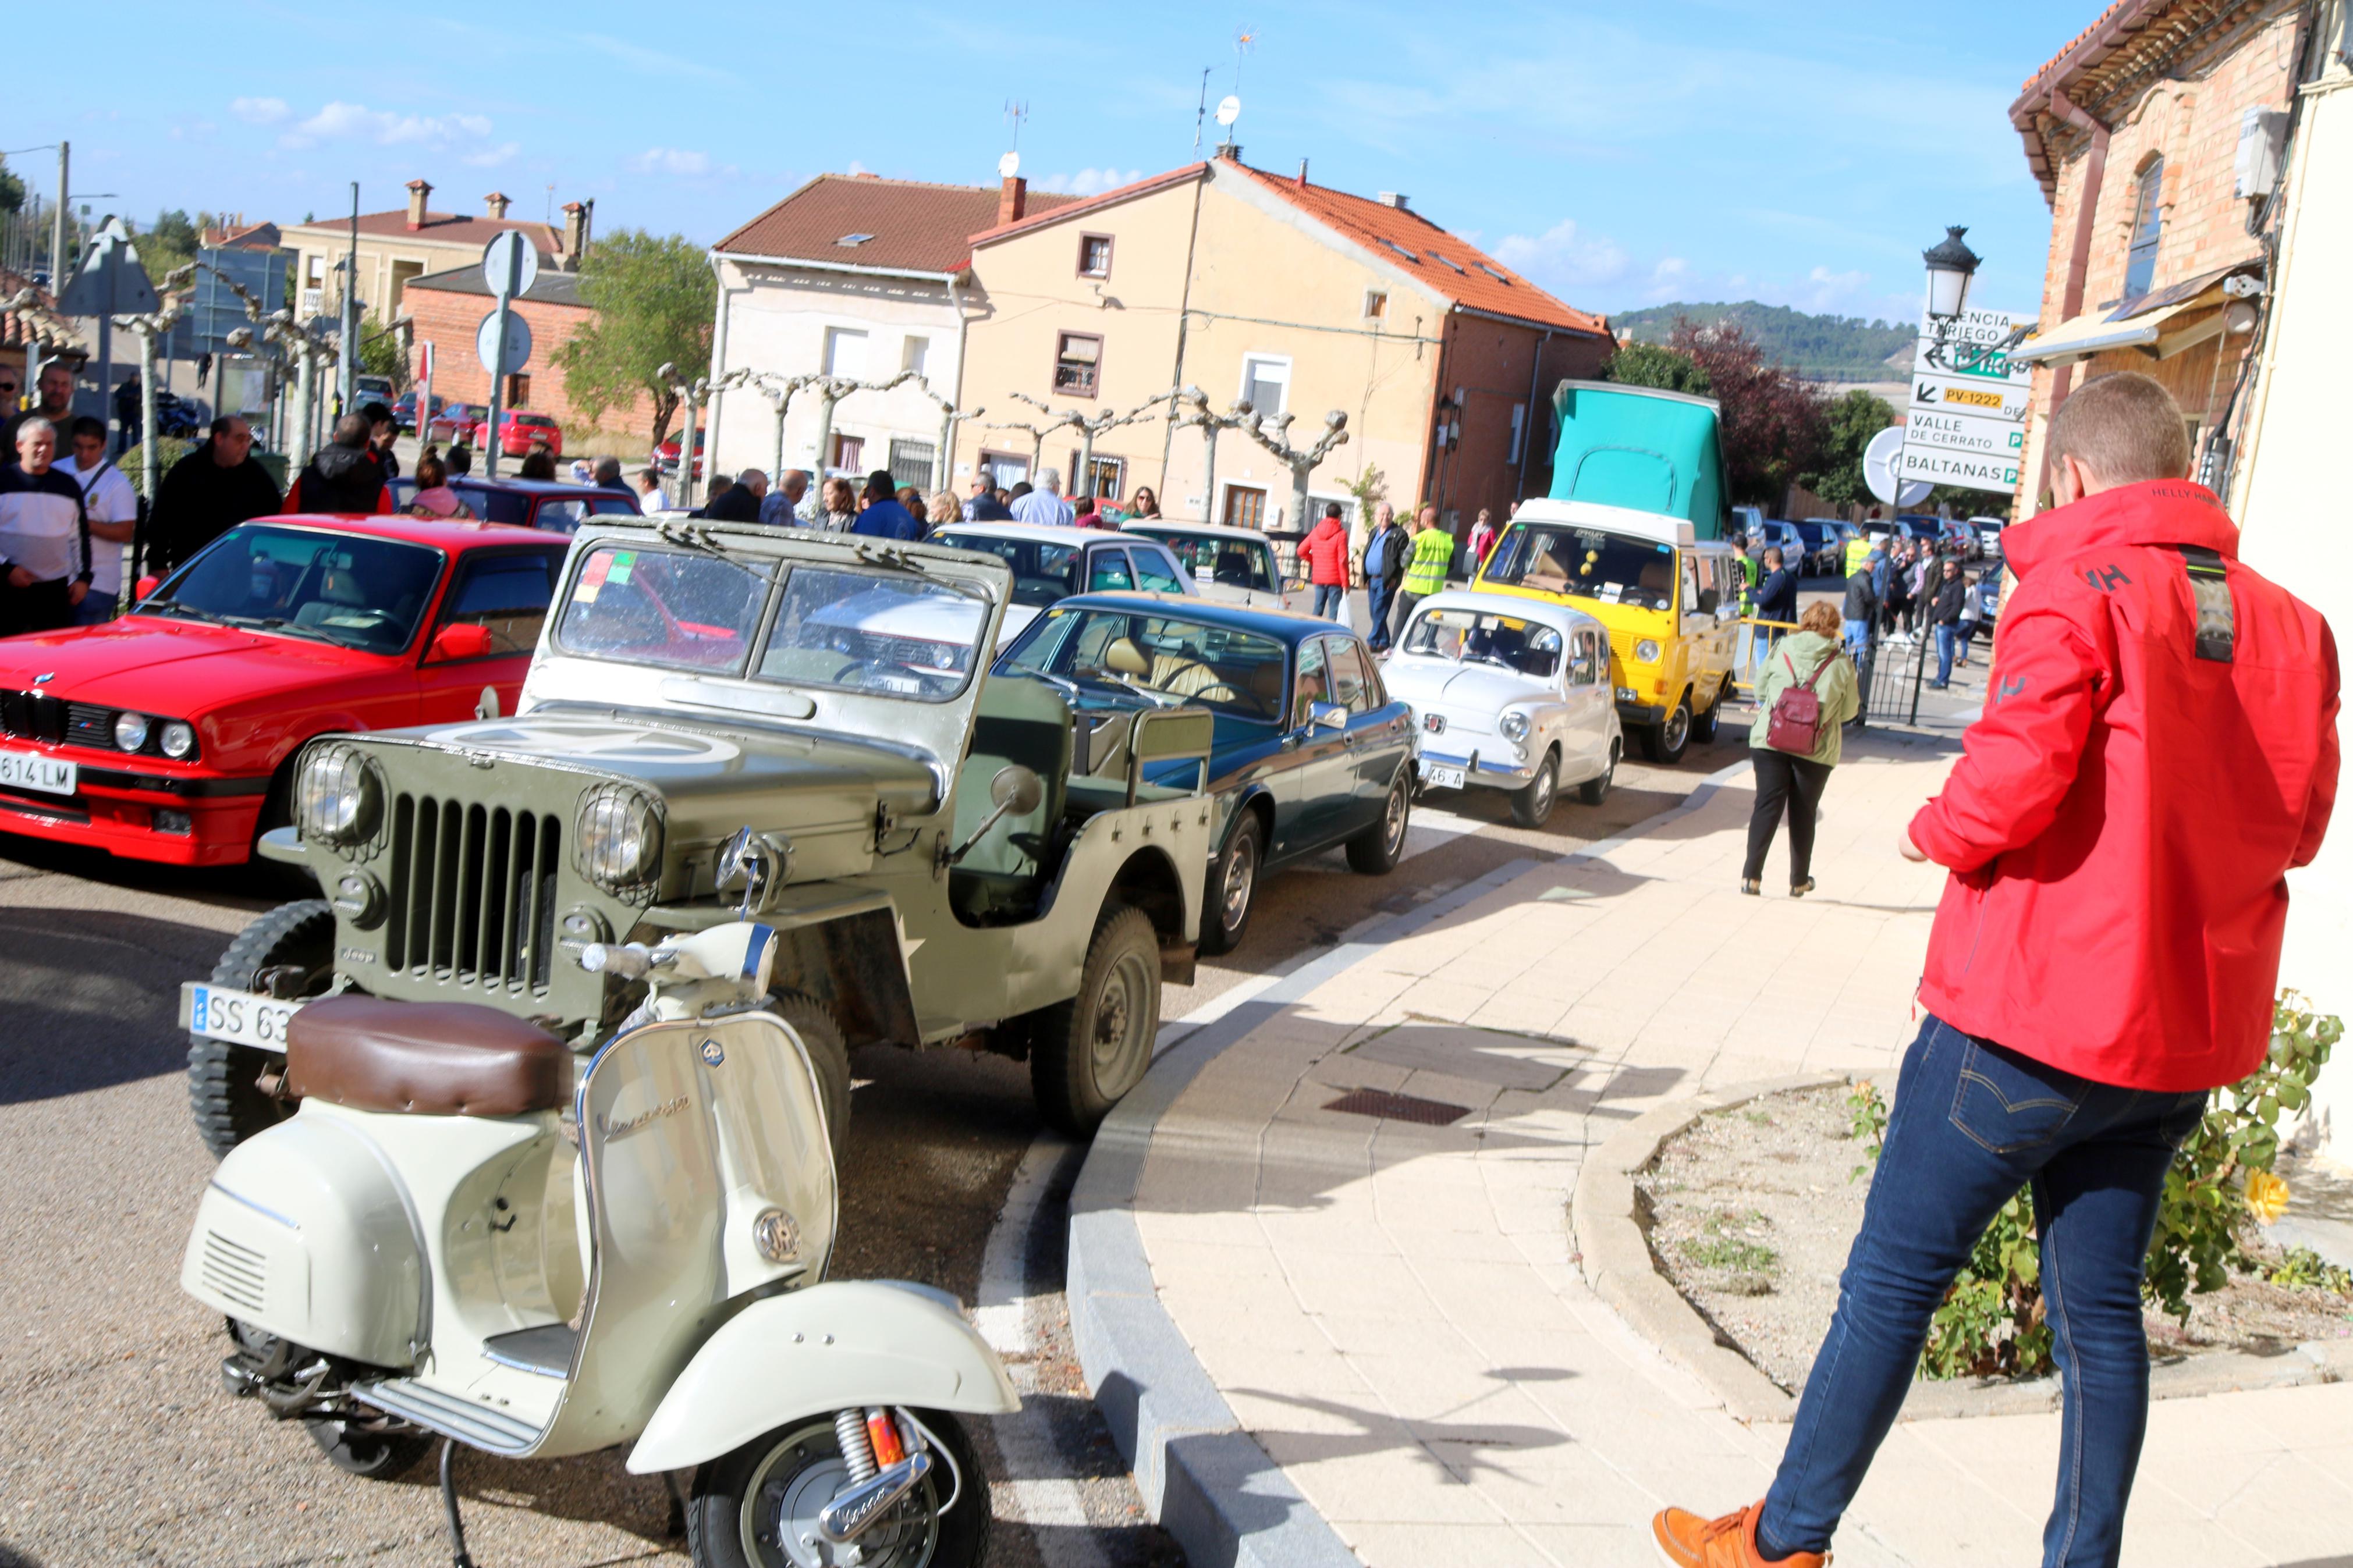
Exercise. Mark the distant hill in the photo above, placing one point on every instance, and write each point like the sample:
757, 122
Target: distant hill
1828, 348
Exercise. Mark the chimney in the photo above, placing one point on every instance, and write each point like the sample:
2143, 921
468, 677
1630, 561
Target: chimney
1012, 200
576, 231
1231, 151
494, 206
1302, 174
418, 191
1394, 199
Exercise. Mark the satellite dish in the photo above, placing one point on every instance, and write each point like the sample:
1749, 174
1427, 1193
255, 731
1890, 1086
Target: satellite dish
1008, 166
1229, 108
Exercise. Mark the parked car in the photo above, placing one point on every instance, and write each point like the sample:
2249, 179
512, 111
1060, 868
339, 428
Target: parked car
550, 504
1746, 520
666, 455
456, 422
1988, 530
519, 430
1509, 694
1050, 564
404, 410
1786, 538
1826, 539
367, 389
1234, 565
1308, 749
170, 733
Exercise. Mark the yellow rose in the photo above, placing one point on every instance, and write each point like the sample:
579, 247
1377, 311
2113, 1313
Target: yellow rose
2267, 1196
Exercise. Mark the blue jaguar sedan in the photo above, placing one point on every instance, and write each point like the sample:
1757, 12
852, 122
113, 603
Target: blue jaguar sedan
1309, 750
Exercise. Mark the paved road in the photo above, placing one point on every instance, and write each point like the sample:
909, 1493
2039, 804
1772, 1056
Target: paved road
116, 1443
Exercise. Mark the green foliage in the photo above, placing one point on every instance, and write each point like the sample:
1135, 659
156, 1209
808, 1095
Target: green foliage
170, 244
12, 190
1867, 1120
1990, 1322
654, 296
169, 449
1370, 489
1823, 348
1851, 421
1647, 364
382, 353
2303, 1268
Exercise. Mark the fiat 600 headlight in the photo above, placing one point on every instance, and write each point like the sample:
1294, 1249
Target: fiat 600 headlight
1513, 724
621, 839
338, 794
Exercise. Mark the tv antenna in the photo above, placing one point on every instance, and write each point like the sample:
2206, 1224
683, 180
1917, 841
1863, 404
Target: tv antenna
1017, 110
1201, 110
1245, 38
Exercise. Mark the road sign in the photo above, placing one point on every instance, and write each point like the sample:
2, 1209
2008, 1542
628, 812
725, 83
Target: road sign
1876, 458
510, 264
1970, 397
485, 346
109, 281
1967, 419
425, 359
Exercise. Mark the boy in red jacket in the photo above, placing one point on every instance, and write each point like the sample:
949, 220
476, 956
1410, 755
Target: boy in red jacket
2159, 747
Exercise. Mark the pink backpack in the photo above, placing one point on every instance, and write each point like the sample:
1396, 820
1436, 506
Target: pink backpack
1794, 724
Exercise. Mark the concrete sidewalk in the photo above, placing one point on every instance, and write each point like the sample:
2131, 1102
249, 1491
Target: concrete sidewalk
1395, 1312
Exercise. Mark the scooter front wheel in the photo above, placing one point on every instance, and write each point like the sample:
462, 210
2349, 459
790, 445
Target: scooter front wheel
757, 1506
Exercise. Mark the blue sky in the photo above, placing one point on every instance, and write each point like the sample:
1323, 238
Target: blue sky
1622, 155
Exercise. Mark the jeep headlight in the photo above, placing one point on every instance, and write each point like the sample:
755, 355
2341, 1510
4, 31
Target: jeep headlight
1513, 724
621, 839
1646, 652
338, 794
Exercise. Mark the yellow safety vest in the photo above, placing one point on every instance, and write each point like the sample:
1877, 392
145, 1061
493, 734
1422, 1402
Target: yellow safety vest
1858, 551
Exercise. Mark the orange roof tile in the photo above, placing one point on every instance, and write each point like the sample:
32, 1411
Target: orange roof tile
1072, 207
448, 228
912, 225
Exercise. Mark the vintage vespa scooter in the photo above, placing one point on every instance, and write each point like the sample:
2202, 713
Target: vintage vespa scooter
459, 1234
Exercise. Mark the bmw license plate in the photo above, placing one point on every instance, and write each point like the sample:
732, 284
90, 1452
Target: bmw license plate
1434, 777
240, 1016
30, 770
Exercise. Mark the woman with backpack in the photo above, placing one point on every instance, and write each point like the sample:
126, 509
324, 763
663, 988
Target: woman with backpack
1805, 694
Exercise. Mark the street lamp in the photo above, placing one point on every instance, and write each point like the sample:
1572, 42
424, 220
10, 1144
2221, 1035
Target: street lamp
1950, 265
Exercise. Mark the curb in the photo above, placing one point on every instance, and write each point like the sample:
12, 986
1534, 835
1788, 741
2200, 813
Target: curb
1618, 1264
1201, 1477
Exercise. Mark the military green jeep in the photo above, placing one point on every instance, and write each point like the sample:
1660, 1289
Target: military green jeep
725, 722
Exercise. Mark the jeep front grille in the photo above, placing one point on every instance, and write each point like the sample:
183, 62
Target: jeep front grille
474, 894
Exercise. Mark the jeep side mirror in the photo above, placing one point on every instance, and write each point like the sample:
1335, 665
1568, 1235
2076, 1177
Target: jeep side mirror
146, 587
1013, 791
458, 640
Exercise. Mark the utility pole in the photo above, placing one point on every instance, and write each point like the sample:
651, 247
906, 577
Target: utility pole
347, 356
56, 238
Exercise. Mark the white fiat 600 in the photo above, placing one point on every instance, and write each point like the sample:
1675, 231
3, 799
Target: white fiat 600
1512, 694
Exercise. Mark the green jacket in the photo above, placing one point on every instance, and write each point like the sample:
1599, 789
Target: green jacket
1791, 663
1425, 569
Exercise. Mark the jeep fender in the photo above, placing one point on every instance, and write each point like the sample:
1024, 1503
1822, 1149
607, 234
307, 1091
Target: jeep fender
826, 1348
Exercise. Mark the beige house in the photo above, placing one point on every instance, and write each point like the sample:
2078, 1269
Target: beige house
408, 242
1297, 297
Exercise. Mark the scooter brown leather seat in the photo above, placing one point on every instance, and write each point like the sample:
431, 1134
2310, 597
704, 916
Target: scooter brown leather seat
435, 1059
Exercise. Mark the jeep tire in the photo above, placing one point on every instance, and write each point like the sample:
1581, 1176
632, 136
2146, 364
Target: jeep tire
813, 1023
229, 1104
1087, 1052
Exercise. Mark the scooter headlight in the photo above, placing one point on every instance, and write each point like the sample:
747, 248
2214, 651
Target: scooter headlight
620, 840
338, 794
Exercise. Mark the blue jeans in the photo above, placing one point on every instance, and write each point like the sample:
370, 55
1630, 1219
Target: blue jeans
1330, 599
1858, 636
1972, 1124
1378, 599
1946, 640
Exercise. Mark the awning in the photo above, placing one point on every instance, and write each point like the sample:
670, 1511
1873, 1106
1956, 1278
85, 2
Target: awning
2160, 324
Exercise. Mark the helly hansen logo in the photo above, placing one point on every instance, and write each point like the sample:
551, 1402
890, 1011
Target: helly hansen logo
2006, 688
2106, 579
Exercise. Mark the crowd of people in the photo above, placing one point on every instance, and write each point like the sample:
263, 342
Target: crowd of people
1898, 591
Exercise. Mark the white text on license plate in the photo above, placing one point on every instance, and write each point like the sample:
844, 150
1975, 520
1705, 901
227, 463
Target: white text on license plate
241, 1016
1442, 778
29, 770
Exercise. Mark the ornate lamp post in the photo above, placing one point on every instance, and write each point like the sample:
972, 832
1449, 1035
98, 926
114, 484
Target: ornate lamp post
1951, 265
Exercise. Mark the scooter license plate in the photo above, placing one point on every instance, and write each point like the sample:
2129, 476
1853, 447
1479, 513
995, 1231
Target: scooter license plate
240, 1016
1441, 778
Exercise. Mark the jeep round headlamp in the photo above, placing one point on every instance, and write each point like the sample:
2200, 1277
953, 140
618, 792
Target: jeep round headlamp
621, 839
1513, 724
338, 794
1646, 652
131, 731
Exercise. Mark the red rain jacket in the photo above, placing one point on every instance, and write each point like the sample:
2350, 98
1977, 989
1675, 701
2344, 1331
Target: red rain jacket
2123, 817
1325, 551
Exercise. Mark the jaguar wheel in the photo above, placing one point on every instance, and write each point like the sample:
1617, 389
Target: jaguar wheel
1378, 850
1233, 888
224, 1093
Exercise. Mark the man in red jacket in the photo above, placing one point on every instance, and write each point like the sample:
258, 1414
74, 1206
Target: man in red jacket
2159, 747
1325, 551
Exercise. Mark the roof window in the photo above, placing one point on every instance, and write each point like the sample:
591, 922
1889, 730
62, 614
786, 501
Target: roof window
853, 239
1446, 261
1492, 273
1401, 250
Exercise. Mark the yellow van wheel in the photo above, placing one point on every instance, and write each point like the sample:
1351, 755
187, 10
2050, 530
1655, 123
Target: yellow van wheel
1667, 741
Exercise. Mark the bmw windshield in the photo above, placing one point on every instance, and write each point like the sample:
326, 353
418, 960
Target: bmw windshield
350, 589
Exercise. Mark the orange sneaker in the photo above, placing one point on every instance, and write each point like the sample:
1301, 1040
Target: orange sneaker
1687, 1540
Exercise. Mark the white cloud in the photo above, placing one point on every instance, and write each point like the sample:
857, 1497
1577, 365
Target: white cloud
669, 161
857, 168
1565, 260
258, 110
653, 62
490, 157
341, 121
1090, 181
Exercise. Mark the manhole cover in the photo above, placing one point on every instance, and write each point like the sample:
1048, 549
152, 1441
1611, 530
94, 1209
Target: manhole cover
1390, 1107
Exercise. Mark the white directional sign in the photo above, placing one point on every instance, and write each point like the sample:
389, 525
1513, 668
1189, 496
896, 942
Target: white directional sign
486, 344
1965, 424
510, 264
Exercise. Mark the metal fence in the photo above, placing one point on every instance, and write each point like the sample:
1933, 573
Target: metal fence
1892, 671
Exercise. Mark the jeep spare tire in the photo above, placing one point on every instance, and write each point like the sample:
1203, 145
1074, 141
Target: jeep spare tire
228, 1102
1087, 1052
809, 1018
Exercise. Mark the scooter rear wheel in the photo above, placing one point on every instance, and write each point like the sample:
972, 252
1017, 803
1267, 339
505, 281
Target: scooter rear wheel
373, 1456
756, 1507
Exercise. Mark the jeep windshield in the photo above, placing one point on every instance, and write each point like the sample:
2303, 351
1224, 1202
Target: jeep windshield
1585, 563
843, 629
345, 588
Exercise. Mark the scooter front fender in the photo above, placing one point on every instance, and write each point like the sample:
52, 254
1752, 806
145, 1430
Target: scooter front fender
853, 1341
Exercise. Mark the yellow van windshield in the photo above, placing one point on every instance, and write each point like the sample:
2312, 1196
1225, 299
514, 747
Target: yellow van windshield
1555, 558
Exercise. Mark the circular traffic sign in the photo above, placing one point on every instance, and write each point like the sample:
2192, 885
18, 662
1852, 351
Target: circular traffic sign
510, 264
1878, 466
486, 344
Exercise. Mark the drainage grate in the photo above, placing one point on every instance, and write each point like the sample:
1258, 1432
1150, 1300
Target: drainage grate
1390, 1107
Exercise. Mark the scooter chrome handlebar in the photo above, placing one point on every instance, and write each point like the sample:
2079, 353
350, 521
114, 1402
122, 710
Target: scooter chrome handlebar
741, 950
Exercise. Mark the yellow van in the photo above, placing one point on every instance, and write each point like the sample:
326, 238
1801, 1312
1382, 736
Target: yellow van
1671, 600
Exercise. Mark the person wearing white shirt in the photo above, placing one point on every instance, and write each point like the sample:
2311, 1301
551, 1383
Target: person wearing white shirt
1045, 504
112, 508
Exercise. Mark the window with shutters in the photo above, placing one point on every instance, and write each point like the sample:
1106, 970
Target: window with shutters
1078, 359
2148, 223
1266, 382
1245, 507
1094, 256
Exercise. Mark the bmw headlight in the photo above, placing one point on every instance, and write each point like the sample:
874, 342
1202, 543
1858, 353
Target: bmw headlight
338, 794
179, 738
131, 731
621, 839
1513, 724
1646, 652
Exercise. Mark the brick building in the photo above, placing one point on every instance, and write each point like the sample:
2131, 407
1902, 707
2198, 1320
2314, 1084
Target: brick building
2157, 135
445, 309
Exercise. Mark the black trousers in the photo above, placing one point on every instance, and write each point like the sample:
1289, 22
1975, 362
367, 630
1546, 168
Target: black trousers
1783, 781
42, 607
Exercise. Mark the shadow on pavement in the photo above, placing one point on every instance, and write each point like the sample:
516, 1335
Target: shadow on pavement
91, 997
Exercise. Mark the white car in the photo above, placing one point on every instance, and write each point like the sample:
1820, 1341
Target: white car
1512, 694
1050, 564
1235, 565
